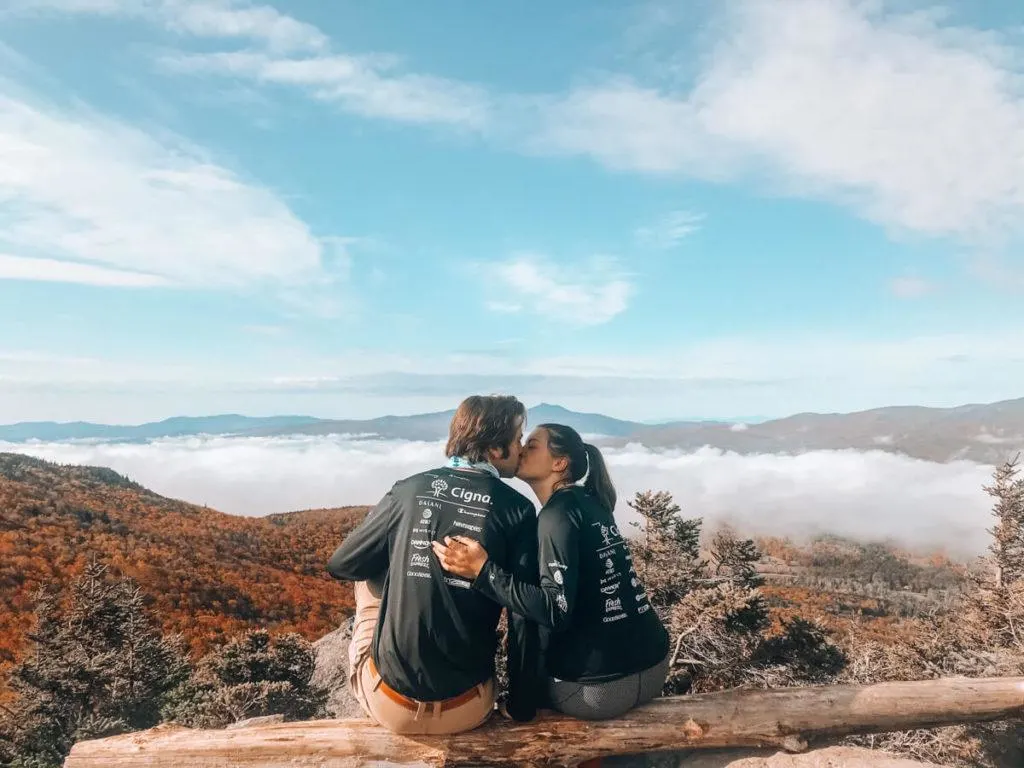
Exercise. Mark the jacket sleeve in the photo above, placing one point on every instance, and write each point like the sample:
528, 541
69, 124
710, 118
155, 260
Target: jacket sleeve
550, 604
525, 662
364, 553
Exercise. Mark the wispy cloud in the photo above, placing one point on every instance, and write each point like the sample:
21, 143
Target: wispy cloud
590, 293
203, 18
912, 124
905, 119
284, 51
668, 231
53, 271
371, 86
910, 287
123, 207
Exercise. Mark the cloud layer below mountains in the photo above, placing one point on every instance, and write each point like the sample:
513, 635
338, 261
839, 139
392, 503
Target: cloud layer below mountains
871, 495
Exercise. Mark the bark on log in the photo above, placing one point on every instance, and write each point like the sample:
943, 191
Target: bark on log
774, 718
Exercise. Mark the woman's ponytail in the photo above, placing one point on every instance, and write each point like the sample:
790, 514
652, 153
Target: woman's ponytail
598, 483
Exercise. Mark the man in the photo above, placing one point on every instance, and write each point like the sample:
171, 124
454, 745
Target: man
423, 643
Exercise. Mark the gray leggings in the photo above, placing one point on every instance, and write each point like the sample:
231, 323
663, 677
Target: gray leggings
600, 701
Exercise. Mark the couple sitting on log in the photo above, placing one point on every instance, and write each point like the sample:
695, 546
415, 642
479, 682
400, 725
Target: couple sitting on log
445, 550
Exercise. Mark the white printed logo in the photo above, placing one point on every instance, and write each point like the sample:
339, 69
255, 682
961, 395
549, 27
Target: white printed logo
615, 532
644, 608
635, 581
611, 589
609, 565
606, 579
453, 582
605, 536
613, 604
439, 486
427, 514
419, 561
461, 524
470, 496
562, 603
558, 578
420, 543
556, 564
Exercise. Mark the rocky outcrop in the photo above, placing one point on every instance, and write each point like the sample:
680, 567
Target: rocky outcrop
331, 672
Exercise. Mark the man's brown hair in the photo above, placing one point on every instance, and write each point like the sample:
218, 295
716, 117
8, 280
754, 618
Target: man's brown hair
482, 422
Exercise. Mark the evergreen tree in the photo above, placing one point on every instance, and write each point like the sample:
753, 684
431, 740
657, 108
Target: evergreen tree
98, 666
250, 676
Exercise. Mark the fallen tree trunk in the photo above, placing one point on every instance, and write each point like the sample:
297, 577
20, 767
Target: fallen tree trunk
773, 718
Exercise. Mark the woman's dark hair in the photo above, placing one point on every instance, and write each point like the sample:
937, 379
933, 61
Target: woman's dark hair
566, 442
484, 422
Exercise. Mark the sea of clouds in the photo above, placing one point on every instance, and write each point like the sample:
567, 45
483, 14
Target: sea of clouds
867, 495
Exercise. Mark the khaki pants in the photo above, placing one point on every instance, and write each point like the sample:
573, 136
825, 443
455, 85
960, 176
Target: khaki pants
365, 684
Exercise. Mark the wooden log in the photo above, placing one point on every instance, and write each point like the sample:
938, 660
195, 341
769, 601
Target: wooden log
774, 718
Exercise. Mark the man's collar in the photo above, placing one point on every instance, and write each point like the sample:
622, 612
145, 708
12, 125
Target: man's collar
461, 462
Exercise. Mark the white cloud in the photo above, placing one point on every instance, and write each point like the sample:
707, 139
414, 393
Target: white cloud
909, 121
85, 188
913, 124
870, 495
591, 293
202, 18
910, 287
53, 271
371, 86
296, 54
669, 230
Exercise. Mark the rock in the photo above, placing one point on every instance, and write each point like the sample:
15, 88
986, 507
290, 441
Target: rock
332, 672
827, 757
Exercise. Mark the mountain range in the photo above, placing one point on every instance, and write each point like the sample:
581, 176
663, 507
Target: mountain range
986, 433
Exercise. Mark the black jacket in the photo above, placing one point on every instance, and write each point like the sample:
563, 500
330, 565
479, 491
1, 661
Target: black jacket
602, 624
436, 636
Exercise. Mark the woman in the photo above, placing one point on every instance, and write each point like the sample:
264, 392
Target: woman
608, 650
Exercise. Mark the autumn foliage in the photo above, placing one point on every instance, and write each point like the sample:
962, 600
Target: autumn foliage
208, 575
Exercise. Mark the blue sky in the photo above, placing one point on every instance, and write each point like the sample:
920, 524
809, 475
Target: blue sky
654, 210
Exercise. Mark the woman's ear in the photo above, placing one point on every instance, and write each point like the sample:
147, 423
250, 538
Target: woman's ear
561, 464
